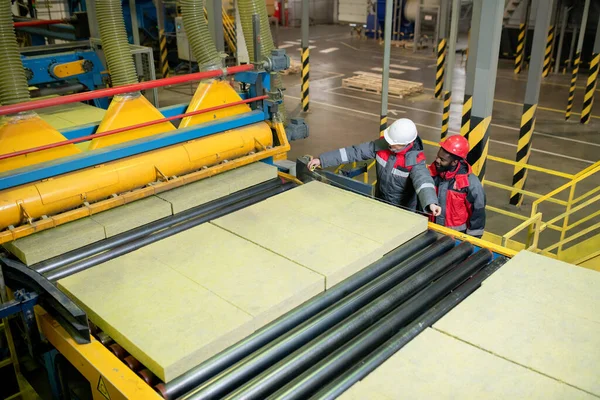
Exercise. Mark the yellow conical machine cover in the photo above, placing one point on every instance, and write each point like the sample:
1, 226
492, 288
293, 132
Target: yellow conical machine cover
22, 132
210, 94
126, 111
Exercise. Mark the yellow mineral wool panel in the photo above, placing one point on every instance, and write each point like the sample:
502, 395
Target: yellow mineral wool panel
128, 110
211, 94
27, 131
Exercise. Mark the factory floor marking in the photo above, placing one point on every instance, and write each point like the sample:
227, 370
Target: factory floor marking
437, 128
329, 50
285, 46
408, 67
309, 47
331, 91
514, 103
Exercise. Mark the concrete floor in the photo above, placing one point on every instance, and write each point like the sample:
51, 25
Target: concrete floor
341, 117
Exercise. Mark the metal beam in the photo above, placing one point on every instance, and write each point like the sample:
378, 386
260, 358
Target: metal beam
135, 32
450, 66
532, 94
385, 74
443, 17
90, 6
488, 47
215, 23
584, 17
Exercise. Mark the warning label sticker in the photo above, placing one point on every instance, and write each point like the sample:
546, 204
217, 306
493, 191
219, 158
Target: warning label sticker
102, 388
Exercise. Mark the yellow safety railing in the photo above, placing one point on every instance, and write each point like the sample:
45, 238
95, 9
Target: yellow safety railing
228, 29
534, 223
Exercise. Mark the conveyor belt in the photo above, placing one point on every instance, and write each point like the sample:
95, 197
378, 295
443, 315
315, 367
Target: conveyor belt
336, 329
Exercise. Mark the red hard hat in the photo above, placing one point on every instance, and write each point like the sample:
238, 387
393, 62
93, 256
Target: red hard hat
457, 145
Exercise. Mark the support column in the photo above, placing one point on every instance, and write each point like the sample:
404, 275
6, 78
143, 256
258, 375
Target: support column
522, 38
162, 39
441, 49
532, 94
214, 10
561, 37
90, 7
305, 56
590, 87
450, 66
549, 42
385, 74
465, 124
488, 47
584, 17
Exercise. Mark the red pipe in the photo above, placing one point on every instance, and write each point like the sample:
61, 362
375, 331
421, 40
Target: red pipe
37, 22
127, 128
96, 94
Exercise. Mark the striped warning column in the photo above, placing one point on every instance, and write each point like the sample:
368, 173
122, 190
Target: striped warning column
305, 77
573, 84
439, 72
164, 63
523, 152
382, 124
446, 113
465, 123
478, 143
548, 52
520, 49
590, 89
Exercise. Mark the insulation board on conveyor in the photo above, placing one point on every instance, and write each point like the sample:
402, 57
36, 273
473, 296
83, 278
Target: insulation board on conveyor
532, 330
181, 300
328, 230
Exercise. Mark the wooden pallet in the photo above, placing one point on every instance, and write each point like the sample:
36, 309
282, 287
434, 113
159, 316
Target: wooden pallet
368, 83
295, 68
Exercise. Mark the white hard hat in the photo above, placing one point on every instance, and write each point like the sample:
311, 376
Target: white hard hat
403, 131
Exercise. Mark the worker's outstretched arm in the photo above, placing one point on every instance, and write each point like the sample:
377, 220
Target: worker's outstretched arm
423, 183
360, 152
476, 197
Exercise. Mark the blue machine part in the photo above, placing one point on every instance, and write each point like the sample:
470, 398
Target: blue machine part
147, 19
40, 66
406, 28
260, 112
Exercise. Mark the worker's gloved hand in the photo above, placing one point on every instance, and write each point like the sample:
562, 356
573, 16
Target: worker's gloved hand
314, 163
435, 209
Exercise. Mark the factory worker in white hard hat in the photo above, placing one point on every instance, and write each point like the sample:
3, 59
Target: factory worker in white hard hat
402, 175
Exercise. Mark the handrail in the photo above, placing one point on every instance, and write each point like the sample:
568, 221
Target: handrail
534, 220
525, 192
578, 178
575, 236
573, 210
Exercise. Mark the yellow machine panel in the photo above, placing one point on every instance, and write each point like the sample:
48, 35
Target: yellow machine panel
70, 69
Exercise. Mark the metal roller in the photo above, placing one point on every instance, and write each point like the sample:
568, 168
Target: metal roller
298, 315
137, 244
322, 372
280, 373
252, 365
368, 364
145, 230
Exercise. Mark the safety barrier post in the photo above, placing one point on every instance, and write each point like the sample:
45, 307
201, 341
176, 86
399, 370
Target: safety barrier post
305, 56
590, 87
577, 60
522, 39
385, 74
451, 57
548, 52
532, 93
439, 69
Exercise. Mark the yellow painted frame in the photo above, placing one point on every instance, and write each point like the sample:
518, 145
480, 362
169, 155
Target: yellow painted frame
96, 363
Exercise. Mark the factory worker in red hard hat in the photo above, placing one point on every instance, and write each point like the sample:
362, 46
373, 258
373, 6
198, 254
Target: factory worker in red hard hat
459, 191
402, 174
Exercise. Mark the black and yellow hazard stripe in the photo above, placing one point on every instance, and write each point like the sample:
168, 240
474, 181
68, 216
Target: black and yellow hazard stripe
164, 63
382, 124
590, 89
520, 49
439, 72
305, 77
446, 113
465, 122
478, 145
523, 152
548, 53
573, 84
